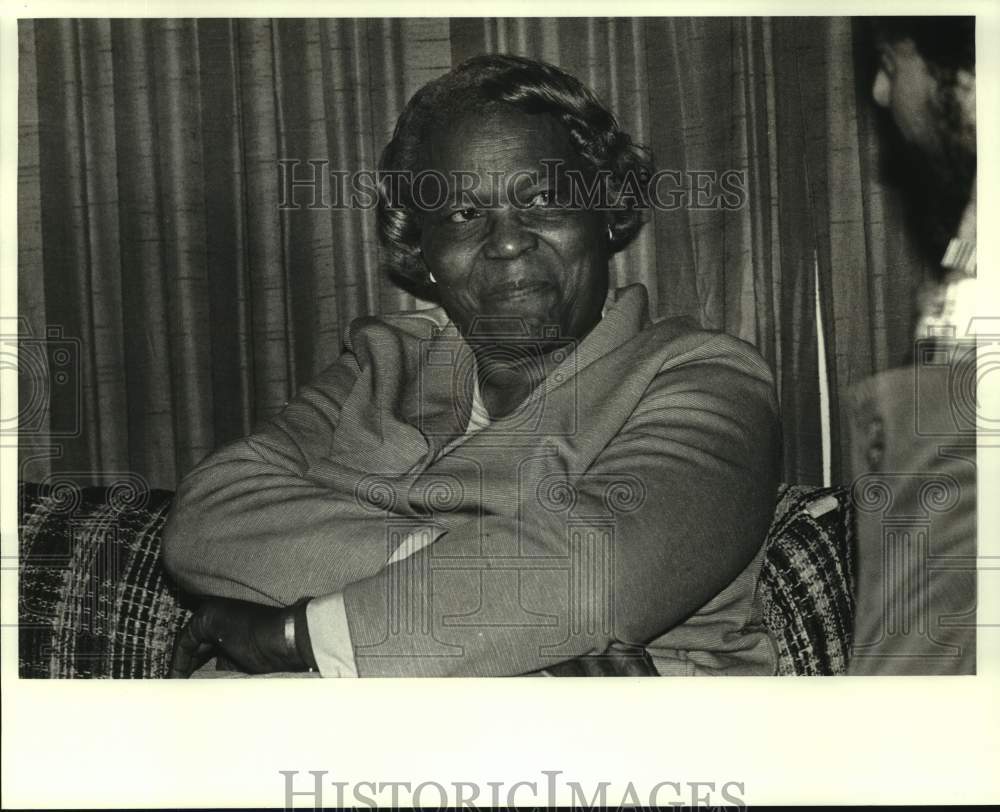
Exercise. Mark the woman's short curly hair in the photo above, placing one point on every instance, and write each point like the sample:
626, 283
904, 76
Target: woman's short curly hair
529, 86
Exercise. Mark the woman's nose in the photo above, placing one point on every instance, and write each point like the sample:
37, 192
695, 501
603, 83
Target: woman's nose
508, 238
882, 89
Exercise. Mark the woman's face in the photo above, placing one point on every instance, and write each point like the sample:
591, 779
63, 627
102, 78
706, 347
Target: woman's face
508, 251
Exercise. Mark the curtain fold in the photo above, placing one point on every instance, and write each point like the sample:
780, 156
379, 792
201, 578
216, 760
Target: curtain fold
153, 243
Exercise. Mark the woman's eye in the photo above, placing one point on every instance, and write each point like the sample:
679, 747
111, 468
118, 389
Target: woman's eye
464, 215
542, 199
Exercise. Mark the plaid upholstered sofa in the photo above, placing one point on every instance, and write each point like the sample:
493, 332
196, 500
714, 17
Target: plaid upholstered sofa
94, 600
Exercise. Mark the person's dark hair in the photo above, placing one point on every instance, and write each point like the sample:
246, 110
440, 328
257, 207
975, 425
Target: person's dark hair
936, 193
946, 43
527, 85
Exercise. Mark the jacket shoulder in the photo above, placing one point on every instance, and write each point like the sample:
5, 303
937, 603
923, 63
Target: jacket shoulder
421, 323
682, 339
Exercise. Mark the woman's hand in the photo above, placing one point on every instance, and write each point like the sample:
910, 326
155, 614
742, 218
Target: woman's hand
251, 636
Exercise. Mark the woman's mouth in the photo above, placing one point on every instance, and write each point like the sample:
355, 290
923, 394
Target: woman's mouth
517, 290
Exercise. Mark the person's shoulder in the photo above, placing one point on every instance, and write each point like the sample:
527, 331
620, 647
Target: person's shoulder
421, 323
681, 340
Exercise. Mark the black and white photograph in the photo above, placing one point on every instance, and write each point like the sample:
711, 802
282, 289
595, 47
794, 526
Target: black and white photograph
483, 347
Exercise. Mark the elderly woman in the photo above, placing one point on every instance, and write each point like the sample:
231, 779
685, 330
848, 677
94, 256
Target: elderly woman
530, 471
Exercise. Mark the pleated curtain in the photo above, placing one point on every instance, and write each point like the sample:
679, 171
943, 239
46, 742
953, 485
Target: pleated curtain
189, 305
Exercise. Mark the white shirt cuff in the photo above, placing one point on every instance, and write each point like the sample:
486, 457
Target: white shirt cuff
330, 636
327, 616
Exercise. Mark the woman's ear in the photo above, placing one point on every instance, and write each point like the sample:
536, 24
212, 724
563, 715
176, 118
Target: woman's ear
965, 92
612, 235
418, 256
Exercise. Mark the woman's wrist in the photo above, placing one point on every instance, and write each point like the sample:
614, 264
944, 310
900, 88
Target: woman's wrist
298, 645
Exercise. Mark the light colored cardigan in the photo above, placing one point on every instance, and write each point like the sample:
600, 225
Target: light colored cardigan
628, 500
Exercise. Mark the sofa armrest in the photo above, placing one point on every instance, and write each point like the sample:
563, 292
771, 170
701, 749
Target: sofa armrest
92, 597
806, 586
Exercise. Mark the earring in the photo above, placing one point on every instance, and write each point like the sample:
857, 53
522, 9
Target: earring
431, 275
611, 233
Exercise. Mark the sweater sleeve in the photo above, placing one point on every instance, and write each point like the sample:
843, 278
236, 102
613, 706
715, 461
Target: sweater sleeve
271, 518
669, 513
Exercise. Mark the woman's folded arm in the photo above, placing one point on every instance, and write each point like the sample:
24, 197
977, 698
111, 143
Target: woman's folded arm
271, 518
676, 506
